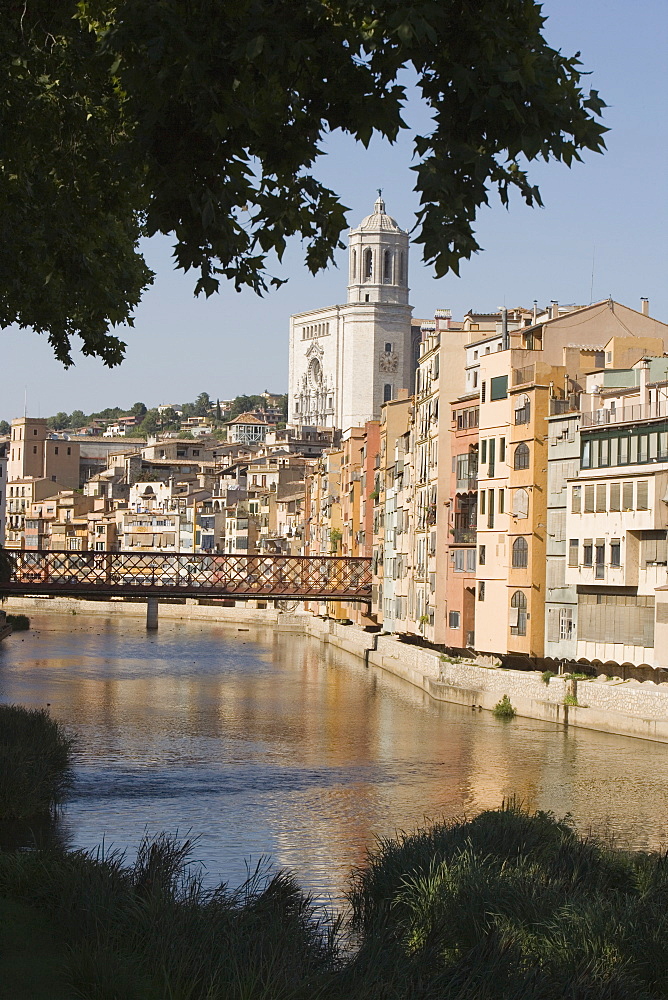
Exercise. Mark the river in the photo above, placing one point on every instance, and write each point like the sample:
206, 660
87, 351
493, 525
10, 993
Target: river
269, 744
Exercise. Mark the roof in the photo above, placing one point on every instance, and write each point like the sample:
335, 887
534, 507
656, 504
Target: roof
247, 418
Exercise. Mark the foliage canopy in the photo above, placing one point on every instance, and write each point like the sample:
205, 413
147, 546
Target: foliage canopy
204, 120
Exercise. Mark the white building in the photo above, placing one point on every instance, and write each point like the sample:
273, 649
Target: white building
346, 360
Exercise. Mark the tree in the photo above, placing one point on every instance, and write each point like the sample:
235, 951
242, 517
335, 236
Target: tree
5, 427
59, 422
205, 120
77, 418
138, 410
219, 412
203, 405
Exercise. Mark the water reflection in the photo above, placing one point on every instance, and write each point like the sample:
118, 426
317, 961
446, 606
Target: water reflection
268, 744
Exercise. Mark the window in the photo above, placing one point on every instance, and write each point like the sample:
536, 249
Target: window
368, 264
453, 619
481, 590
627, 496
641, 495
520, 553
483, 391
589, 500
459, 560
498, 388
523, 411
490, 508
34, 449
388, 348
518, 613
614, 496
601, 497
599, 573
615, 552
483, 502
573, 549
576, 500
55, 450
387, 267
566, 630
521, 457
492, 458
387, 392
483, 451
481, 555
521, 503
587, 553
585, 458
69, 451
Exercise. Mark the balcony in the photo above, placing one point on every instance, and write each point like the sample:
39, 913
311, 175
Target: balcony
523, 376
464, 536
625, 414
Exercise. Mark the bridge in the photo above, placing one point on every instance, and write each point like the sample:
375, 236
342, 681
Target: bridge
164, 575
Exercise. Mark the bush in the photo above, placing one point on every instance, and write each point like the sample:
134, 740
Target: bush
19, 623
35, 757
571, 699
504, 709
547, 676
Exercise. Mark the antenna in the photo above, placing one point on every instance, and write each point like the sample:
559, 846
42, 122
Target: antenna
25, 401
591, 286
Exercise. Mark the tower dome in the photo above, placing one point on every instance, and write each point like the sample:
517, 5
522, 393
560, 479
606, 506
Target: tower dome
379, 220
378, 252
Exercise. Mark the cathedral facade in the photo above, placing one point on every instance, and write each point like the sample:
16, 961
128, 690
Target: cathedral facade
346, 360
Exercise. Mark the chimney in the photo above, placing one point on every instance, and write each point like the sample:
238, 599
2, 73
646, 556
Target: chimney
554, 309
644, 306
504, 329
535, 311
644, 379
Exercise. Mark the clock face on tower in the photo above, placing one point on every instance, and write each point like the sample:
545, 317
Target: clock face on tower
388, 362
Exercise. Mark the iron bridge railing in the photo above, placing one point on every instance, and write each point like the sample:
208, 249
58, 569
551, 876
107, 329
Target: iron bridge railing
180, 574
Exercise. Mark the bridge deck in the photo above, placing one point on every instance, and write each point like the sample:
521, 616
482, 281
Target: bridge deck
164, 575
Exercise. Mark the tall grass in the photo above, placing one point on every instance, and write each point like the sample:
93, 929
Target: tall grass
507, 906
35, 756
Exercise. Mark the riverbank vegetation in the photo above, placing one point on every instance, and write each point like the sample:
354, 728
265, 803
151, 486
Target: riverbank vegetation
507, 906
19, 623
35, 757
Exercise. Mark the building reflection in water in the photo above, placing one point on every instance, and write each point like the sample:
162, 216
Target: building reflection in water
269, 744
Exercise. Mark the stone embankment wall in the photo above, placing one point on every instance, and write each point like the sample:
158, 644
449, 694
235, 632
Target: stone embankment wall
627, 708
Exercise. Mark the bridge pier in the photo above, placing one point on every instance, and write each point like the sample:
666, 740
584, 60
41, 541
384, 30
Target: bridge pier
151, 614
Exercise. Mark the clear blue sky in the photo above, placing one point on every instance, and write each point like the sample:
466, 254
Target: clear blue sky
612, 210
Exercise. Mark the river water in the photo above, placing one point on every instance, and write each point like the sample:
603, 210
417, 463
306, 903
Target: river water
270, 744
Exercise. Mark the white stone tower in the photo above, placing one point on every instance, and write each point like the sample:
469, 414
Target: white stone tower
346, 360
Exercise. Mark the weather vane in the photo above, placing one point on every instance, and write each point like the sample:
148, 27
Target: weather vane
380, 192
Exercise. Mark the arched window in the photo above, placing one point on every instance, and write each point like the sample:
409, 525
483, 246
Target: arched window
520, 553
387, 267
387, 392
521, 503
353, 267
402, 277
518, 613
521, 457
368, 264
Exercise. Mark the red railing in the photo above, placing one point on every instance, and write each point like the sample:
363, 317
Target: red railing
150, 574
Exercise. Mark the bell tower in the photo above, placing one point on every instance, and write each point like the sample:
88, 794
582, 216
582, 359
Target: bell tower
378, 259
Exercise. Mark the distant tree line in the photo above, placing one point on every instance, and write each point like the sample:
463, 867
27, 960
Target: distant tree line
151, 421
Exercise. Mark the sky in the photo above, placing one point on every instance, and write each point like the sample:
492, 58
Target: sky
603, 232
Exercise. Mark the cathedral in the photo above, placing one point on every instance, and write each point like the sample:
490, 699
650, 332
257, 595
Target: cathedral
347, 360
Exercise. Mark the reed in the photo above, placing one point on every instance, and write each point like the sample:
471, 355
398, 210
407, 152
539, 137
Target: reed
35, 758
507, 906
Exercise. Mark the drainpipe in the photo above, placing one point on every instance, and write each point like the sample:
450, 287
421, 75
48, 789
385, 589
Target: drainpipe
504, 329
370, 649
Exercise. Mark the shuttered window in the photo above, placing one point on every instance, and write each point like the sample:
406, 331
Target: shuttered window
614, 496
576, 500
587, 552
573, 549
653, 547
615, 552
589, 500
558, 525
601, 491
553, 625
619, 618
627, 496
641, 497
556, 570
